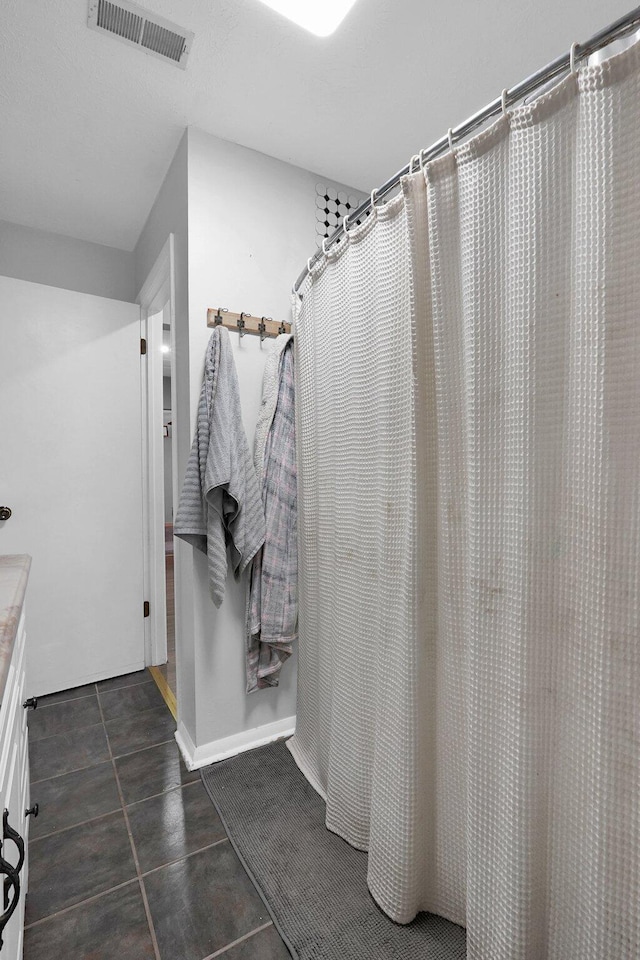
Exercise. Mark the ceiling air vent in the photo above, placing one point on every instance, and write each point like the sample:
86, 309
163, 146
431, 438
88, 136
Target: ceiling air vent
133, 24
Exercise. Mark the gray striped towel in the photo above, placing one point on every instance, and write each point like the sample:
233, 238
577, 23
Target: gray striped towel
220, 503
272, 620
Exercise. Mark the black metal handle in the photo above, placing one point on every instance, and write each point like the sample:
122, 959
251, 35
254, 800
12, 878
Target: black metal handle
5, 513
11, 881
11, 873
32, 811
8, 833
7, 870
31, 702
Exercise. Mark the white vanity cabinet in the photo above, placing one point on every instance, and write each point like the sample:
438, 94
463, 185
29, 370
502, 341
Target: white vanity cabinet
14, 759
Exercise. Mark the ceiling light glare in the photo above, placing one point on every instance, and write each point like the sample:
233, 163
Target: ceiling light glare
321, 17
165, 348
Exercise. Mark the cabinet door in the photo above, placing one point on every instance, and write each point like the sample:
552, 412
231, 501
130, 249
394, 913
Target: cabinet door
11, 797
22, 768
14, 776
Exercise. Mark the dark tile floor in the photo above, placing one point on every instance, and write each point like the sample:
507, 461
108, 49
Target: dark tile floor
128, 858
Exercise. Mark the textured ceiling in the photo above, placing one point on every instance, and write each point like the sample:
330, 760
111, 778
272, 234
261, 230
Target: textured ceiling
88, 126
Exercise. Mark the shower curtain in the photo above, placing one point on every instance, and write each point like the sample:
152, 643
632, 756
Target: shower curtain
469, 493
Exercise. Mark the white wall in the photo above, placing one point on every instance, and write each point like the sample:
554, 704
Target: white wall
58, 261
244, 225
169, 214
251, 228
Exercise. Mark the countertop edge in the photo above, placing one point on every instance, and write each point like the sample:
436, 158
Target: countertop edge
14, 575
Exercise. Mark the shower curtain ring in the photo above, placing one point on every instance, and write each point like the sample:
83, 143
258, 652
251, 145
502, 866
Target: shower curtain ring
345, 224
372, 201
572, 57
503, 97
450, 138
423, 159
324, 246
309, 264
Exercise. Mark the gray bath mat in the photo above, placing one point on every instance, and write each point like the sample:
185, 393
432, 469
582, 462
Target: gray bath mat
312, 882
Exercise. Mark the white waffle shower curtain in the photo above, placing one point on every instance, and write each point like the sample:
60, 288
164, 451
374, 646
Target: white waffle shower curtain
469, 445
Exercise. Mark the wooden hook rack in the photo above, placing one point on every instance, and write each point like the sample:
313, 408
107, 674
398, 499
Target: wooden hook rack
242, 323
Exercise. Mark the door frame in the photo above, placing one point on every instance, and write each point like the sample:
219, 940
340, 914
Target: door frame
156, 294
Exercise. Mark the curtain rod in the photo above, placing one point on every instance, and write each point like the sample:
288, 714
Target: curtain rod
552, 70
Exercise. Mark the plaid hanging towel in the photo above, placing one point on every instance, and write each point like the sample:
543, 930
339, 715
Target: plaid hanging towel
272, 620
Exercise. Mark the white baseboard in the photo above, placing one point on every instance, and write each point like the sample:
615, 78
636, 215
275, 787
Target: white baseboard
196, 757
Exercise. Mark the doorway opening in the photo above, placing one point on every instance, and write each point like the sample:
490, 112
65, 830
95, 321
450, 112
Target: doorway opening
159, 481
168, 669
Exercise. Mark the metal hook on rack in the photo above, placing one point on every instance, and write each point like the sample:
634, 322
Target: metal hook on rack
241, 323
282, 328
573, 57
262, 327
218, 316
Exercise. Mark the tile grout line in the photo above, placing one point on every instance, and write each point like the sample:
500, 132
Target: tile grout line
154, 796
62, 733
80, 903
119, 756
90, 766
58, 703
247, 936
85, 696
108, 813
127, 883
72, 826
186, 856
143, 892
